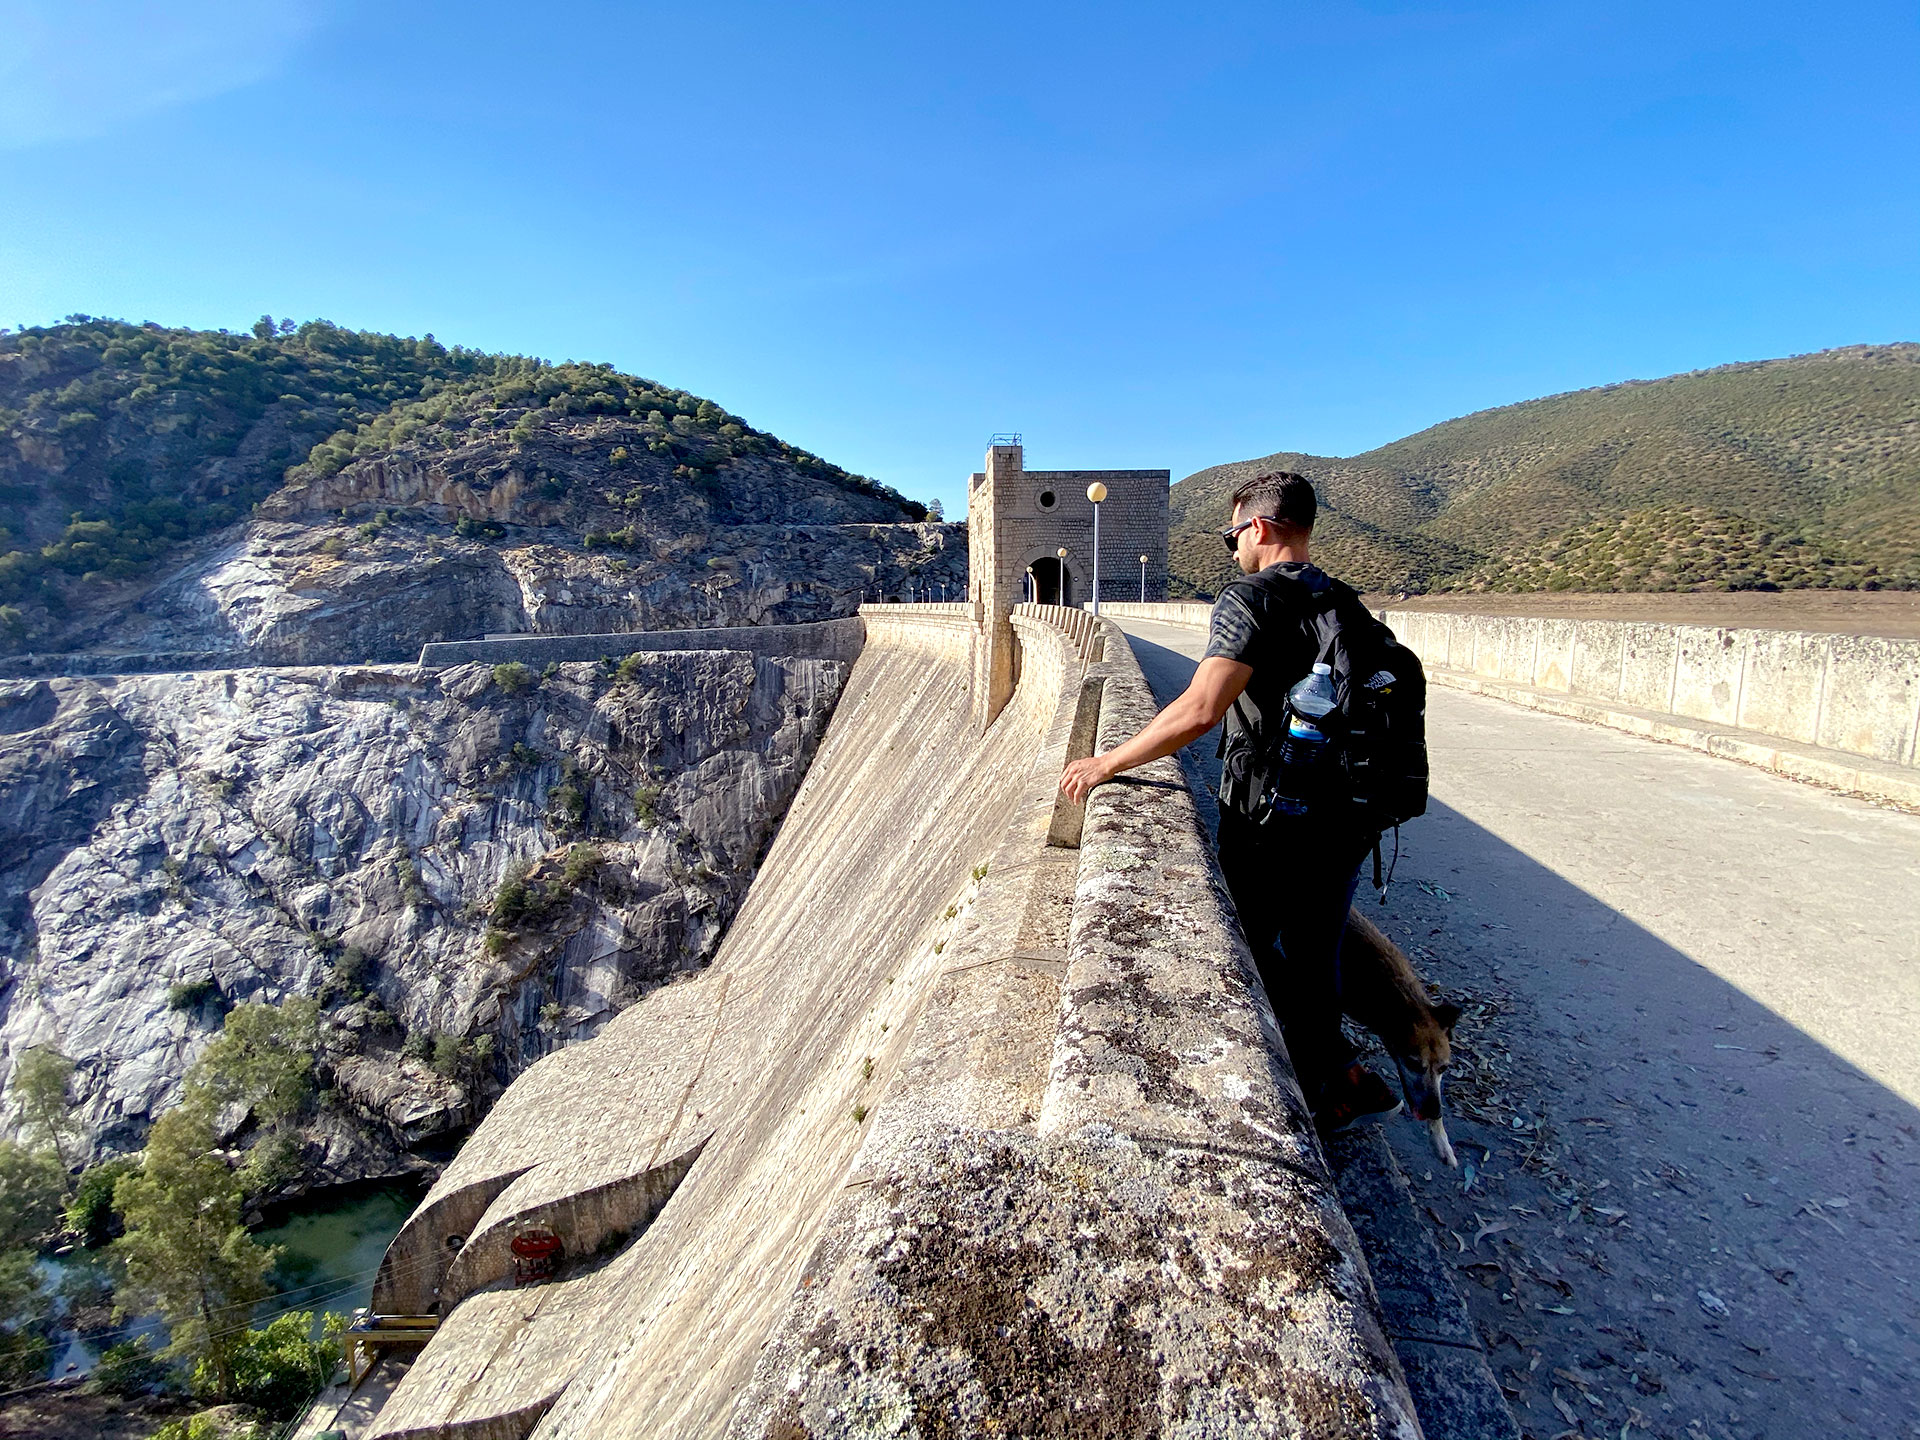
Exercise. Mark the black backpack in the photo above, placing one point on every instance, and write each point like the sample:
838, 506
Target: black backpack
1378, 732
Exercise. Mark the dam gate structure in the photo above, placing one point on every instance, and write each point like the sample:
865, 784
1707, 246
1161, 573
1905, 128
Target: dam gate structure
976, 1125
1030, 539
1037, 513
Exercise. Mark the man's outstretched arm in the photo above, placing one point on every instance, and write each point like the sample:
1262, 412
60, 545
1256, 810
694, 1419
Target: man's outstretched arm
1217, 683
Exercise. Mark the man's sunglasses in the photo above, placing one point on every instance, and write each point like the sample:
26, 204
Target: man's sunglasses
1230, 537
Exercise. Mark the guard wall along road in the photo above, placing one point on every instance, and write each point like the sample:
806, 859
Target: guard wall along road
1838, 710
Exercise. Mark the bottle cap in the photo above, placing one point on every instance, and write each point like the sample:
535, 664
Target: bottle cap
1320, 667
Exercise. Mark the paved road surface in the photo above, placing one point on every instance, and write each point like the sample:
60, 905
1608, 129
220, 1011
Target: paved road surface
1688, 1077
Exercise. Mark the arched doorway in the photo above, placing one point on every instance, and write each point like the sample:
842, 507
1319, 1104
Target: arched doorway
1052, 581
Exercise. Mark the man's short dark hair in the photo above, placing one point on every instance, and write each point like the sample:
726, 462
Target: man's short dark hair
1279, 495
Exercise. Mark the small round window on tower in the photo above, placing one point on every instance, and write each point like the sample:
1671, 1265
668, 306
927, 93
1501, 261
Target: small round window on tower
1046, 499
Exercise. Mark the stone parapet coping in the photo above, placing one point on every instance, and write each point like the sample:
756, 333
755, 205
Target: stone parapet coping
1077, 625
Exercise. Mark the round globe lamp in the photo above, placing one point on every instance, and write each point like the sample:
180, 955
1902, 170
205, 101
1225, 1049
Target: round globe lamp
1096, 492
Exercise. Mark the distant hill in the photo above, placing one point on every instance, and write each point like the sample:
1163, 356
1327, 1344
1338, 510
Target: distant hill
122, 446
1774, 474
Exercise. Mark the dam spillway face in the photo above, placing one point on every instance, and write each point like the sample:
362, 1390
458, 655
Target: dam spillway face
962, 1133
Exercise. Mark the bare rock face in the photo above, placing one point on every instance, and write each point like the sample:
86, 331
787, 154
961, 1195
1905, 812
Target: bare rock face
286, 593
441, 856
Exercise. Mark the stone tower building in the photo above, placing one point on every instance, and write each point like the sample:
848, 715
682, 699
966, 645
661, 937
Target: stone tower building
1018, 520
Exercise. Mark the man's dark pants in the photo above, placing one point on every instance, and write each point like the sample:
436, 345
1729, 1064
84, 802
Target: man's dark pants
1292, 883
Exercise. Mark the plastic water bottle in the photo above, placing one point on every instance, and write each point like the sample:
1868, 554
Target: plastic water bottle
1304, 749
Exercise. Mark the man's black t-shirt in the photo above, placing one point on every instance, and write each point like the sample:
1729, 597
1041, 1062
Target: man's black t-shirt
1255, 626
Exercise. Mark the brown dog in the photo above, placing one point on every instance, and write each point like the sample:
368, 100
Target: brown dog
1380, 989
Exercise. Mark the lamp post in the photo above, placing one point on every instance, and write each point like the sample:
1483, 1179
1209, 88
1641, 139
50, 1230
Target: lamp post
1143, 579
1096, 492
1060, 577
1033, 587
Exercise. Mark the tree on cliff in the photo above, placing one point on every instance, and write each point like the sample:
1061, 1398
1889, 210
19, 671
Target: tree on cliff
30, 1182
263, 1059
186, 1252
39, 1086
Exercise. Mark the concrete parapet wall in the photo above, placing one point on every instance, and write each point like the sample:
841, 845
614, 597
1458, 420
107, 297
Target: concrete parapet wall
1857, 695
1172, 612
941, 632
817, 640
922, 608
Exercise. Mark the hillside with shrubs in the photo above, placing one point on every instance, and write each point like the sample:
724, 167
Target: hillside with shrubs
1779, 474
152, 477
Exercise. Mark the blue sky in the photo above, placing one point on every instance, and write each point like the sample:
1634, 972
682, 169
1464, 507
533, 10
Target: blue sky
1141, 235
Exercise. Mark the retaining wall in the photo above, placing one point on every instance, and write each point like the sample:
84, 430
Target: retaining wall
1856, 694
1859, 695
1173, 612
961, 1133
158, 662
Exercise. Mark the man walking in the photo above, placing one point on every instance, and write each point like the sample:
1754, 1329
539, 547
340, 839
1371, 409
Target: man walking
1292, 871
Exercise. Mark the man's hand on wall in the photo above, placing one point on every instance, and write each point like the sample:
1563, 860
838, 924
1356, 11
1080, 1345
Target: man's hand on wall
1196, 710
1079, 778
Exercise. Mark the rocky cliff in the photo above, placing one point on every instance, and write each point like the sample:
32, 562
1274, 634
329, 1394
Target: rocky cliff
442, 856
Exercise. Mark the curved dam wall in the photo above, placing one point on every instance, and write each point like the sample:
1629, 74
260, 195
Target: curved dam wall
962, 1132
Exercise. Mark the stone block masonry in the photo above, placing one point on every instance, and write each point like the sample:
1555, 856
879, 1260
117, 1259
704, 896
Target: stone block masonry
1018, 522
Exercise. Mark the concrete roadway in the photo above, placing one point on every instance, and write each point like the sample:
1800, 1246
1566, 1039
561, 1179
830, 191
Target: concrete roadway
1688, 1074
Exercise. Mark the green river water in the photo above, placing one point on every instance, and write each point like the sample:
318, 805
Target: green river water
331, 1248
